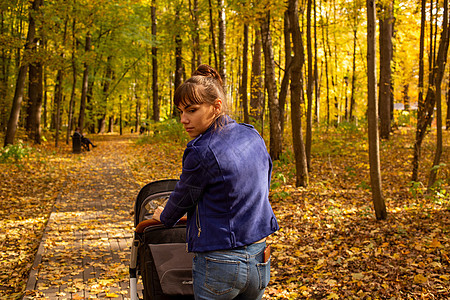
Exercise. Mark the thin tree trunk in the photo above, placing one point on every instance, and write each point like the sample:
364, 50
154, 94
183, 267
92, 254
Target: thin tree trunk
84, 85
244, 82
316, 71
106, 90
326, 55
309, 87
438, 152
352, 96
385, 70
372, 114
5, 58
274, 109
426, 108
70, 120
222, 42
58, 100
287, 65
298, 60
155, 92
21, 77
178, 59
447, 123
256, 80
213, 35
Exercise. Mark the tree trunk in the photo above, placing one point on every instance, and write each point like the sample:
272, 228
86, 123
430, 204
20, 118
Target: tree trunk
178, 59
35, 100
441, 64
309, 87
244, 83
84, 85
70, 119
447, 123
426, 107
222, 42
326, 55
385, 99
109, 75
196, 54
316, 71
58, 100
5, 58
298, 60
155, 92
287, 65
352, 96
213, 35
274, 109
256, 80
372, 115
21, 77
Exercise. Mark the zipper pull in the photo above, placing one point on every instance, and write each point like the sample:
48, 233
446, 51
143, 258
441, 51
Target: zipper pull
199, 232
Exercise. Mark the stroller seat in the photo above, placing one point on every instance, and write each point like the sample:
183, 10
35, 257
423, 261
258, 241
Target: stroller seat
158, 254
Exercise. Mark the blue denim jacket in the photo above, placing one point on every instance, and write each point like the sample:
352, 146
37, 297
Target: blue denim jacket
224, 188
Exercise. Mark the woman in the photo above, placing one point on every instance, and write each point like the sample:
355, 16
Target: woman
224, 188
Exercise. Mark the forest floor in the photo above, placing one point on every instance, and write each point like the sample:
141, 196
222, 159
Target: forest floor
330, 246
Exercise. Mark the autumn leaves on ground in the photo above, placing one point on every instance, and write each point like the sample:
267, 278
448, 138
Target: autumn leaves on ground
329, 246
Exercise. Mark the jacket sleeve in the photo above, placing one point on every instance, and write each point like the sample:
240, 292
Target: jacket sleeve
187, 191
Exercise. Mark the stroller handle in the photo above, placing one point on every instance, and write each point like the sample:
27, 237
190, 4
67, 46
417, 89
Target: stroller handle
152, 222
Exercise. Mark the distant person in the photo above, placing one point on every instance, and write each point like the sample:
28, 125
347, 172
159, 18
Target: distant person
85, 142
224, 189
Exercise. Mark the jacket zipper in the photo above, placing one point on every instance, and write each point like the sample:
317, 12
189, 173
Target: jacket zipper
197, 221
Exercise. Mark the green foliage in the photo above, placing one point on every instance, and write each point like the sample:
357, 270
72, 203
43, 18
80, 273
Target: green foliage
416, 189
168, 130
14, 153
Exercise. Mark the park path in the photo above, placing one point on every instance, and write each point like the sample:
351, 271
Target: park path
85, 249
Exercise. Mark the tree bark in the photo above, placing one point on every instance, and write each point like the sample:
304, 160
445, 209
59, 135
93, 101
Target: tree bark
213, 35
222, 42
310, 85
244, 83
21, 77
426, 107
298, 60
287, 65
178, 59
274, 109
155, 92
70, 119
105, 92
5, 58
35, 91
352, 96
58, 100
372, 115
256, 80
439, 63
84, 85
386, 52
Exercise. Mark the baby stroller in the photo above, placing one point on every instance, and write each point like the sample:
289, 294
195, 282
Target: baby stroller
158, 254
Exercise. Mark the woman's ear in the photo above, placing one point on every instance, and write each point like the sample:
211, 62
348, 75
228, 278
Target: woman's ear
218, 106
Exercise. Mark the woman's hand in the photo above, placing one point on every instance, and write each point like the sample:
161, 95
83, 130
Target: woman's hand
157, 213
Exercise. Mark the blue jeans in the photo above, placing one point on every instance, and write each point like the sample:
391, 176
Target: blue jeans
231, 274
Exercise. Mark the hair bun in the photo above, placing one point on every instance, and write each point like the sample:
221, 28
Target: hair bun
207, 71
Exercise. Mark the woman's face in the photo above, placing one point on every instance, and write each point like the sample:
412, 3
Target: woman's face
196, 118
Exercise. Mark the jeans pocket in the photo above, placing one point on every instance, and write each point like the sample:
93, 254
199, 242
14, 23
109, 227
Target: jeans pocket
264, 274
221, 275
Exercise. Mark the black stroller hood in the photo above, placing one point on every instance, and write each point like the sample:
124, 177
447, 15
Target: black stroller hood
153, 188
